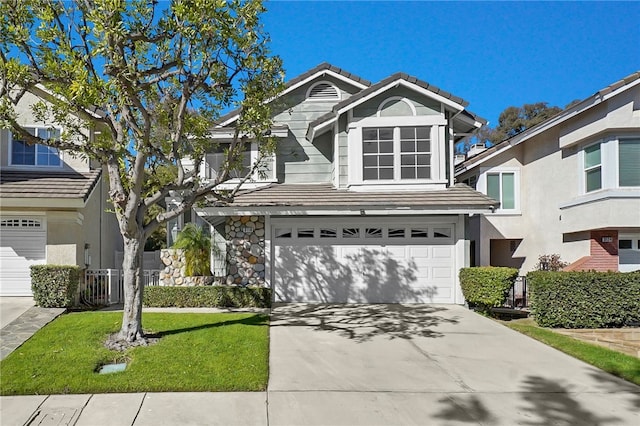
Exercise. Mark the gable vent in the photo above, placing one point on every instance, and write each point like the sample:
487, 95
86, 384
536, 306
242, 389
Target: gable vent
323, 91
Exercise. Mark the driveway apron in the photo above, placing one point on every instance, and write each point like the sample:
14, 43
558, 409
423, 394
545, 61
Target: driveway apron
429, 364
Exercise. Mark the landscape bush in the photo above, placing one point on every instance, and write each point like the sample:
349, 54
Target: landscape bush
584, 299
207, 296
486, 286
54, 286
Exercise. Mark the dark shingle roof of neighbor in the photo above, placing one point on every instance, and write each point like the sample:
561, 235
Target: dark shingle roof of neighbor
459, 196
325, 66
397, 76
46, 184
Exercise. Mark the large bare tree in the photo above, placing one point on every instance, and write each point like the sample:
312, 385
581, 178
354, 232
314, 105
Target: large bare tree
148, 79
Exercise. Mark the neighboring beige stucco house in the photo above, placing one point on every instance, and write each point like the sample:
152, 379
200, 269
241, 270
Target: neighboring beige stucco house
569, 186
53, 208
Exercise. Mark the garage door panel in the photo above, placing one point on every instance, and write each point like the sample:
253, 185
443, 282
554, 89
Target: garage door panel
20, 248
357, 265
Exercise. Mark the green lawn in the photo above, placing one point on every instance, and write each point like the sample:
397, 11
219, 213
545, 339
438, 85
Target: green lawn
616, 363
197, 352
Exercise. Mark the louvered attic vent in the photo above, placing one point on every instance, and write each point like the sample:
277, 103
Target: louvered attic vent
323, 91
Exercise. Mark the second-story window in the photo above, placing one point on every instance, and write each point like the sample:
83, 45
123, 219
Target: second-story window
23, 154
592, 168
629, 162
396, 153
501, 187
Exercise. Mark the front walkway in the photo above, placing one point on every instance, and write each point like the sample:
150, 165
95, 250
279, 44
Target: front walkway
22, 328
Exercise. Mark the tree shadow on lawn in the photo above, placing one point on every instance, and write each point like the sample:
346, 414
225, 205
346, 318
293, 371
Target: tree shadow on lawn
364, 322
253, 320
544, 402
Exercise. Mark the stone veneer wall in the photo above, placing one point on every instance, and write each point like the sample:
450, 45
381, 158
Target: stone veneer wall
245, 250
174, 270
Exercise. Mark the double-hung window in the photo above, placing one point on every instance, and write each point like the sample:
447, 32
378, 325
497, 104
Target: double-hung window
501, 186
396, 153
23, 154
593, 168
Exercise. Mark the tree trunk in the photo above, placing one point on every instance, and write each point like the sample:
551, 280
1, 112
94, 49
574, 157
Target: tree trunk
131, 330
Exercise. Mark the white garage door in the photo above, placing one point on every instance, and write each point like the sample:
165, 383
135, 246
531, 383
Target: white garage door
329, 261
22, 244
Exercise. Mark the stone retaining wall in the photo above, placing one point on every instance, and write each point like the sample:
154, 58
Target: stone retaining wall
173, 261
245, 250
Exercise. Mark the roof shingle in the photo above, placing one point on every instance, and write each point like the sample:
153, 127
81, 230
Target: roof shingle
45, 184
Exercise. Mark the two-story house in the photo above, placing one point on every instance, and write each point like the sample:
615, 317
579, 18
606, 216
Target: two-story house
568, 186
358, 202
53, 206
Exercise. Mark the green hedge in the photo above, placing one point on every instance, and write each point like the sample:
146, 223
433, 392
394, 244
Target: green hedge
584, 299
54, 286
207, 296
487, 286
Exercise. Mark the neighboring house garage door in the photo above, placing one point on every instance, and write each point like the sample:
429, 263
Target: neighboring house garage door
22, 244
368, 261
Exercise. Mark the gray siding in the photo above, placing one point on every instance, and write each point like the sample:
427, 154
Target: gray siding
298, 160
423, 104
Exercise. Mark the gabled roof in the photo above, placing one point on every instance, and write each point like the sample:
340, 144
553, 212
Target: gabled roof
597, 98
458, 198
453, 101
63, 185
323, 68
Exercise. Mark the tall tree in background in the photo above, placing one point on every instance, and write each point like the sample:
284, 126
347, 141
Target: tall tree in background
158, 75
513, 120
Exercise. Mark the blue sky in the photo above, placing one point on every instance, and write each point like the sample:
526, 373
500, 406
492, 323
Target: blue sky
493, 54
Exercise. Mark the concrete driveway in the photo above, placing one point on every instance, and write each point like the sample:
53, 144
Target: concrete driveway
12, 307
429, 364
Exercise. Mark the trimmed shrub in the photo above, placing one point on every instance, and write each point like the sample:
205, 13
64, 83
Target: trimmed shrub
584, 299
54, 286
486, 287
207, 297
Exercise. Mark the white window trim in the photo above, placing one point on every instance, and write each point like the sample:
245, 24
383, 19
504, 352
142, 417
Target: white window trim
609, 166
481, 185
438, 152
255, 179
34, 166
324, 99
397, 98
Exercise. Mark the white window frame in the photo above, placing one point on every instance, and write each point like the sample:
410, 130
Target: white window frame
609, 166
586, 169
483, 187
323, 99
437, 124
35, 165
256, 179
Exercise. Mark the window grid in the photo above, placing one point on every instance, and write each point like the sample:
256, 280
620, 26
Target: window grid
24, 154
396, 153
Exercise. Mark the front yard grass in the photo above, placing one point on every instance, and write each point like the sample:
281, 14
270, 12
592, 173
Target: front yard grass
616, 363
197, 352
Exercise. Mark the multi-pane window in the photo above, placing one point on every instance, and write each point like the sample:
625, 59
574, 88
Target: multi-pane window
629, 162
415, 153
592, 168
396, 153
377, 153
23, 154
501, 186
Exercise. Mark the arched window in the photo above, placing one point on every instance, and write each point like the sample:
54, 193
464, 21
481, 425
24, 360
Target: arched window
396, 107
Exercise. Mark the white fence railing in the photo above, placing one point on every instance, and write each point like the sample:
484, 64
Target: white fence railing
106, 286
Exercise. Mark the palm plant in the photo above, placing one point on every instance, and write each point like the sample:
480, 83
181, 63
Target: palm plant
196, 243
